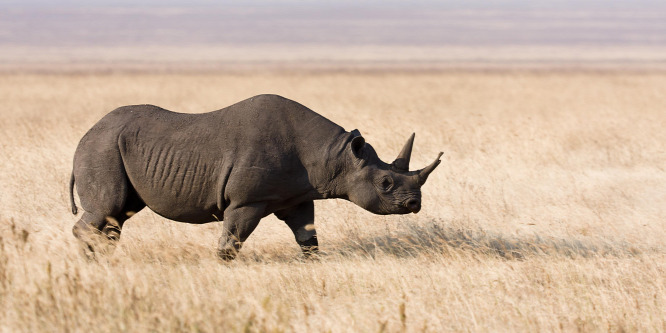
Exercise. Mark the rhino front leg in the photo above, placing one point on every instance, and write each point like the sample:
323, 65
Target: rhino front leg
300, 220
239, 222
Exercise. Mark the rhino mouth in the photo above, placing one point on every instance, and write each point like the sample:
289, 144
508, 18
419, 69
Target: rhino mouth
414, 205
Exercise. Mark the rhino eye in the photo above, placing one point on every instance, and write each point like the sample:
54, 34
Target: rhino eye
386, 184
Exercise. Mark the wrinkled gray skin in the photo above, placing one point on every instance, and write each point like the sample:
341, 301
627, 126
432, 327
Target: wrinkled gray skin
264, 155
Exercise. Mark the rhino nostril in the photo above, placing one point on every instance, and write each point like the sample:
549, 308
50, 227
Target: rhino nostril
414, 205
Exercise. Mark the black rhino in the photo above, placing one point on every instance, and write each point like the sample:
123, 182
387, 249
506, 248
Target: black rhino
264, 155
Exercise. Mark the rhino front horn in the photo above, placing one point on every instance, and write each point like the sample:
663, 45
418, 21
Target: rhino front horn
425, 172
401, 163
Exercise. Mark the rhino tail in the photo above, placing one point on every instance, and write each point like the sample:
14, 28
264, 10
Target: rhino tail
71, 194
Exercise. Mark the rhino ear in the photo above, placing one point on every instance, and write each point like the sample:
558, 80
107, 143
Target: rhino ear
357, 145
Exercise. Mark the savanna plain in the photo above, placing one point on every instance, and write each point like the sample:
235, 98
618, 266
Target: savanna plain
548, 212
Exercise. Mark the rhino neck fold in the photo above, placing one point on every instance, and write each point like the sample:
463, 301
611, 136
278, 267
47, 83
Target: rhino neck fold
327, 172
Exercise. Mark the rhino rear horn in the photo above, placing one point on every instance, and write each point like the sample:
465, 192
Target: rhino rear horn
401, 163
425, 172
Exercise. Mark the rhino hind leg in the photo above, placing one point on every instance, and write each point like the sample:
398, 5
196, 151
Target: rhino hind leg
99, 229
114, 224
300, 220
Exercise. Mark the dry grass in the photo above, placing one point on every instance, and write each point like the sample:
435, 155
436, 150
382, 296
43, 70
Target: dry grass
548, 212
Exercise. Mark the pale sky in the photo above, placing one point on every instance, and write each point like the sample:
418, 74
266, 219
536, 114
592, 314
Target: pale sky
200, 31
77, 22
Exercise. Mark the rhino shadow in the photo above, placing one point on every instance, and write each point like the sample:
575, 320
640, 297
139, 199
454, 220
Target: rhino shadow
413, 240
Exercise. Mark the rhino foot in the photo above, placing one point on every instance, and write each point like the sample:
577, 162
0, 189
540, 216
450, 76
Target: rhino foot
95, 242
227, 254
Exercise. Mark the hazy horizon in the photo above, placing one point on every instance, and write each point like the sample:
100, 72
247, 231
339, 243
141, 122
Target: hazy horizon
422, 31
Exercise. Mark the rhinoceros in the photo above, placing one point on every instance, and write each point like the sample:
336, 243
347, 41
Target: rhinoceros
264, 155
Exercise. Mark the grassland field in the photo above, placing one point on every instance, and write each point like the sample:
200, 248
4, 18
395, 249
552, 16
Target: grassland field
548, 212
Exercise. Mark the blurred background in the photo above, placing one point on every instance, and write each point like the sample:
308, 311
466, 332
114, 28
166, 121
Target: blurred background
77, 34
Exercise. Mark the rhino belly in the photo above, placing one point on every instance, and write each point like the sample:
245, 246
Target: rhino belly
184, 213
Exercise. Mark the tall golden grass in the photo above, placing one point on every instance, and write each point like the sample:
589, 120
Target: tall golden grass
547, 213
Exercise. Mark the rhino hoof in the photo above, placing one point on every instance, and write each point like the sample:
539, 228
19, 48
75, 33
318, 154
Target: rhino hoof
227, 254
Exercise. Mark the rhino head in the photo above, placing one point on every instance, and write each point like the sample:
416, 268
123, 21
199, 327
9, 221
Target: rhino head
383, 188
